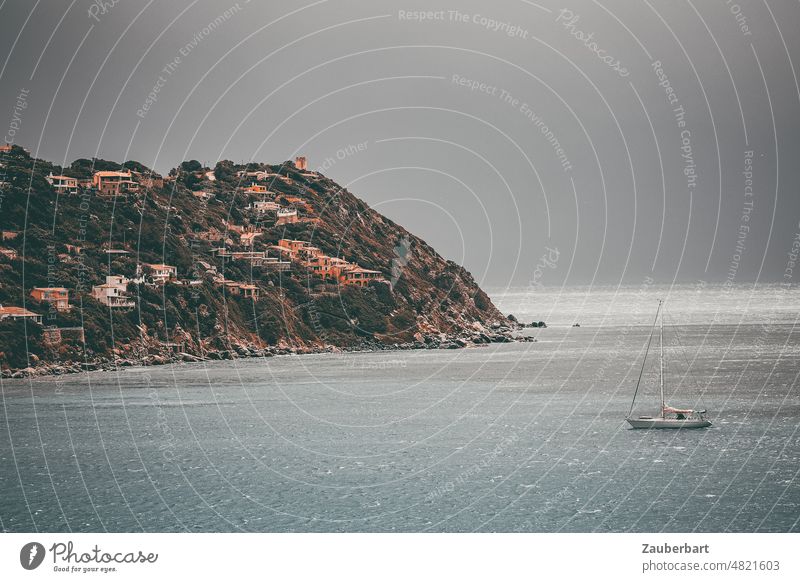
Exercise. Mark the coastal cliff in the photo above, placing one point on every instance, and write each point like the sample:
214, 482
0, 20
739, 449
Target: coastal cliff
105, 264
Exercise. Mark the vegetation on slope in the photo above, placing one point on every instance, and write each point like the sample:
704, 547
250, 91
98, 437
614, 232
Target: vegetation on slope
424, 296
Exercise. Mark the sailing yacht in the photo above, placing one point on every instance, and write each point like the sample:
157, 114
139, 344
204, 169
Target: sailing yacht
670, 417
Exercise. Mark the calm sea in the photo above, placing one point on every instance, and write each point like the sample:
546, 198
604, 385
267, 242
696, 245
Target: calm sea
510, 437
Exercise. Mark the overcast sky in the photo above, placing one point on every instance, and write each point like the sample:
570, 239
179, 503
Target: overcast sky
499, 132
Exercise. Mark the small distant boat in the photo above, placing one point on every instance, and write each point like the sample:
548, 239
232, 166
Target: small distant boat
670, 417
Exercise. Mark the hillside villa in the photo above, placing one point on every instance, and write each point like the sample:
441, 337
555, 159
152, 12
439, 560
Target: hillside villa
247, 290
19, 313
114, 292
255, 258
257, 175
109, 183
292, 246
261, 207
160, 273
361, 277
63, 184
327, 267
256, 189
286, 216
58, 296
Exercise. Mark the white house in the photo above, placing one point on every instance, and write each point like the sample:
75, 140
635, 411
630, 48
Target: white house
114, 292
261, 207
160, 273
63, 184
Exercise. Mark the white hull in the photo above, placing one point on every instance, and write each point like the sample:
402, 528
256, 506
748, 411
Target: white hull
668, 423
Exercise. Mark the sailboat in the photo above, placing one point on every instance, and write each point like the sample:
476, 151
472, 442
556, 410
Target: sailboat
670, 417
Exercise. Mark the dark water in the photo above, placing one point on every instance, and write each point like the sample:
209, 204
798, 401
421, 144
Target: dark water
522, 437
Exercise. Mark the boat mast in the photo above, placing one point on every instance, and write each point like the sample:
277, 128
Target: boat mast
661, 364
644, 360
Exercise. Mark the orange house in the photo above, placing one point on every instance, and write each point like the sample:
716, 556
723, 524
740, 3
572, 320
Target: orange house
328, 267
293, 246
59, 296
114, 183
256, 189
361, 277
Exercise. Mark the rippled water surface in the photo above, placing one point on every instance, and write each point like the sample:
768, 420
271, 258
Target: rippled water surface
511, 437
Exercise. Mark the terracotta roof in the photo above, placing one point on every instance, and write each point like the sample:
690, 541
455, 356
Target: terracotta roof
108, 173
159, 266
18, 311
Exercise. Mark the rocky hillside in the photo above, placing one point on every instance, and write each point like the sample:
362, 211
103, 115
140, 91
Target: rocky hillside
197, 220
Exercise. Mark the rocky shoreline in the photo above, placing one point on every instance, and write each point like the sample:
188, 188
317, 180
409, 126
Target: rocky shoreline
497, 334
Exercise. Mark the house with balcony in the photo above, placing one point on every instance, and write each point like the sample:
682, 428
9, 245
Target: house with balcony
336, 267
114, 292
326, 267
262, 207
276, 264
247, 290
291, 247
159, 273
309, 253
255, 258
63, 184
109, 183
361, 277
57, 296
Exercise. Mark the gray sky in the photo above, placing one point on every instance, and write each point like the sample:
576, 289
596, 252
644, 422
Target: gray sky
571, 143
